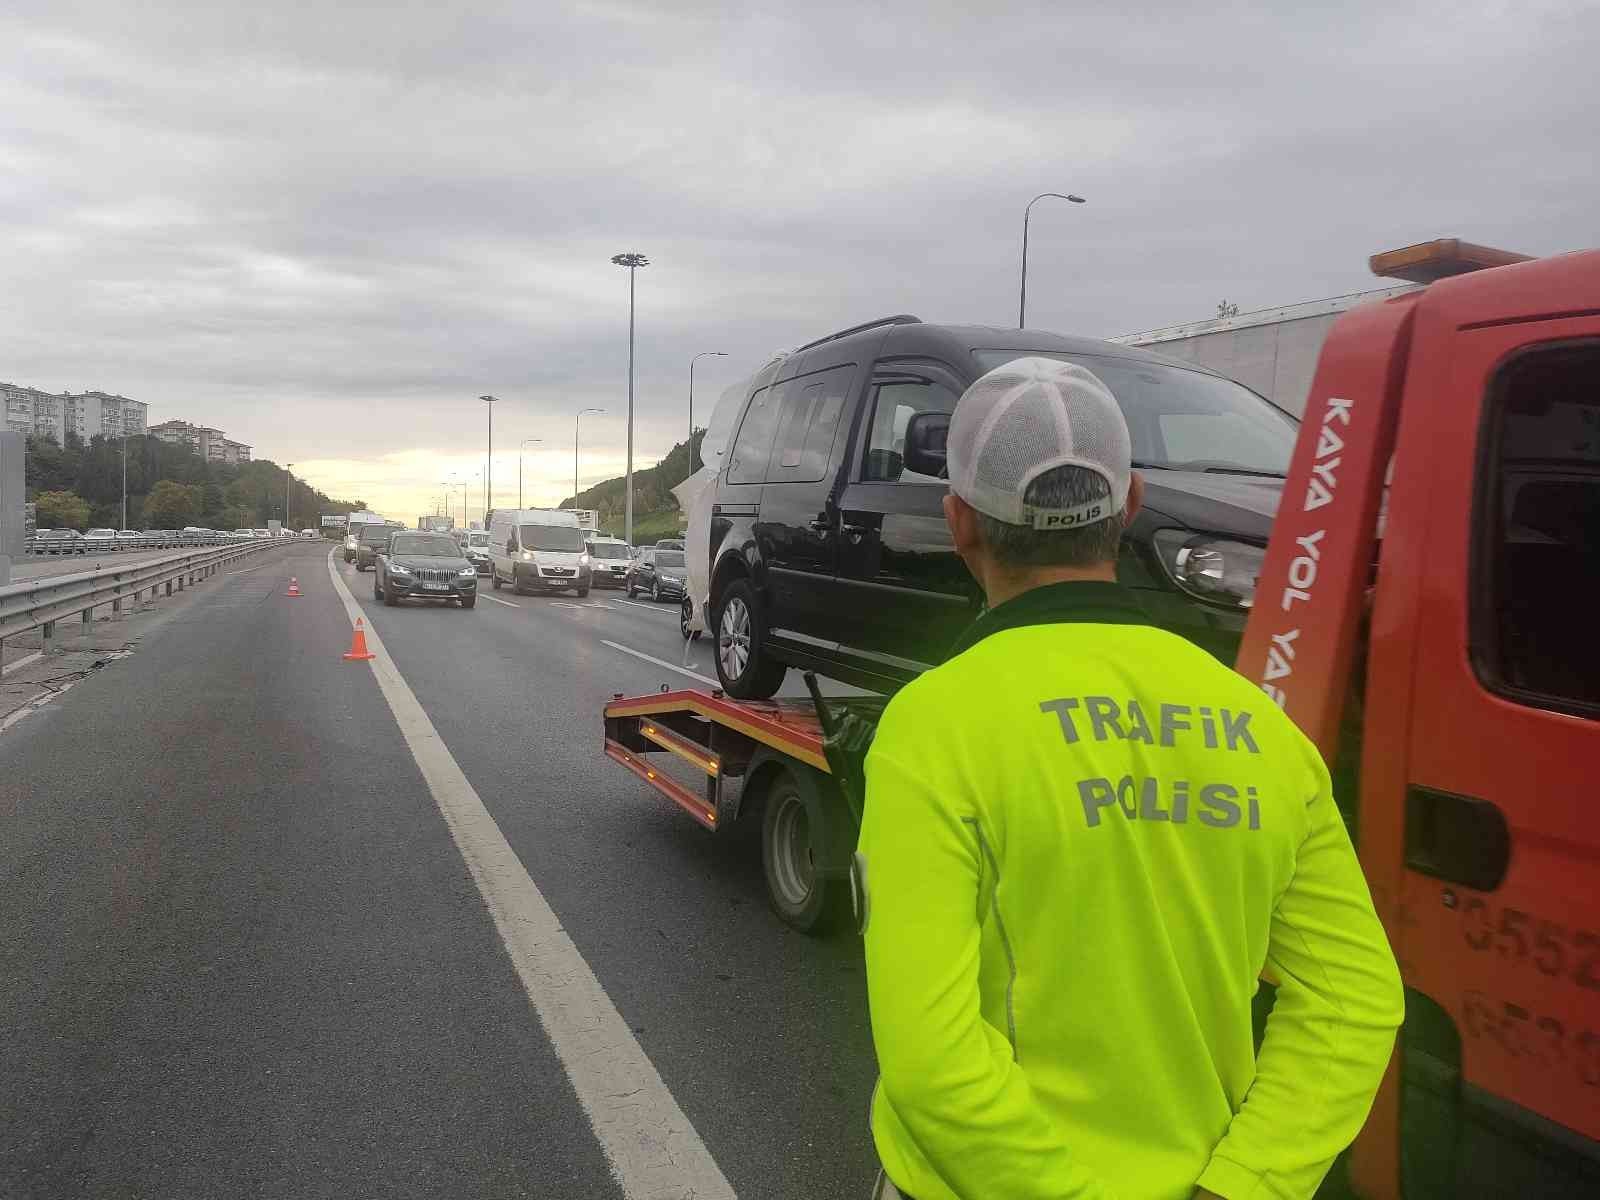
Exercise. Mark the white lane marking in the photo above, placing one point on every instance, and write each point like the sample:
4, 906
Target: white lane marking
22, 662
660, 662
39, 701
30, 707
497, 600
653, 1150
651, 607
564, 604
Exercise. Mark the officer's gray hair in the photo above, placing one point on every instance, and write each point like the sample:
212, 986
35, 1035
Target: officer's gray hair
1061, 487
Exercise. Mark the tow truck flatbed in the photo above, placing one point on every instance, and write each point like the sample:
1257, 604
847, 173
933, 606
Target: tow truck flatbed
774, 748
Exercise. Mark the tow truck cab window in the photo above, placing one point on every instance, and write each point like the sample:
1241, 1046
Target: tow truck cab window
1537, 564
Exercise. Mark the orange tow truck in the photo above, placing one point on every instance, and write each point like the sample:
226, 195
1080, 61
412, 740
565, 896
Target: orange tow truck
1428, 611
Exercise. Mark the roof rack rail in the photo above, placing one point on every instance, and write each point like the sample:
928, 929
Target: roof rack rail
897, 319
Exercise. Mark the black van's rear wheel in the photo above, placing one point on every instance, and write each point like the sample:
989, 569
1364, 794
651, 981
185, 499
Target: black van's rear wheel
744, 664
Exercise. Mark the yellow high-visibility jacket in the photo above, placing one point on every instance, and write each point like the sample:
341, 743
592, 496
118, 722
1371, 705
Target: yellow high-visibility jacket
1085, 840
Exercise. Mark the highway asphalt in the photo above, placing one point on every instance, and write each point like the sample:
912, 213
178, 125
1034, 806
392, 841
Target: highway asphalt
244, 955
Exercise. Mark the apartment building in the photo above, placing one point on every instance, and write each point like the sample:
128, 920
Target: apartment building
85, 415
210, 444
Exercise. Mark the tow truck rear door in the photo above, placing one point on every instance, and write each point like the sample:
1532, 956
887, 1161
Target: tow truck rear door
1488, 593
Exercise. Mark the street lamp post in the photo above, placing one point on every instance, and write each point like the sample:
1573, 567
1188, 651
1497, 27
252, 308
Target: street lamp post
124, 472
287, 479
575, 418
488, 471
633, 262
1022, 299
692, 361
520, 448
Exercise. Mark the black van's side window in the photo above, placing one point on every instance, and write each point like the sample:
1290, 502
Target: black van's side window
754, 443
897, 397
1538, 566
808, 426
798, 405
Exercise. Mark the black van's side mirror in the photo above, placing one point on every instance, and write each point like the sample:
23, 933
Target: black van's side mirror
926, 433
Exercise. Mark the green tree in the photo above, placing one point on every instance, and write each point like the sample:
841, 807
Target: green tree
172, 505
61, 510
212, 505
49, 468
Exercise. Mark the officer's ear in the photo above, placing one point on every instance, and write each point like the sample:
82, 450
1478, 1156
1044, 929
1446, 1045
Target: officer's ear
1135, 498
963, 521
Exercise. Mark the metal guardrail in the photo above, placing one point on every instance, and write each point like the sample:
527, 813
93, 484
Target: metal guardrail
37, 546
40, 603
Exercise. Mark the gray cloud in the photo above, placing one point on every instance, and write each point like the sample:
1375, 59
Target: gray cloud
327, 228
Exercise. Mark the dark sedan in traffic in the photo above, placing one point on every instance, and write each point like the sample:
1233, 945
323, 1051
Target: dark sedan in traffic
427, 566
659, 571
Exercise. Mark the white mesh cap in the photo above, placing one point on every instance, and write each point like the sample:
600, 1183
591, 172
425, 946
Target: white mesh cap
1026, 418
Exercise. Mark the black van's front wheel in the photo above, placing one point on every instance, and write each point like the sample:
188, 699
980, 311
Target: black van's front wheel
744, 664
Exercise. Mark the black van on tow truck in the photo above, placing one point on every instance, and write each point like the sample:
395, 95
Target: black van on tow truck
829, 550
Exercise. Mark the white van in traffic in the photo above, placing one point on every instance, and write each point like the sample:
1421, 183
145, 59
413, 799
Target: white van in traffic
538, 549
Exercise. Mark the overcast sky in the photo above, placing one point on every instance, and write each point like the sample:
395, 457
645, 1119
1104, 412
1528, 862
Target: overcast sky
328, 227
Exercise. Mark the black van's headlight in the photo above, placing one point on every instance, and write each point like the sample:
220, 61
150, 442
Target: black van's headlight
1211, 568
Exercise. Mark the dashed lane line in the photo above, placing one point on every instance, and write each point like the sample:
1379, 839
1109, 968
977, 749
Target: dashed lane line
497, 600
660, 662
655, 608
654, 1152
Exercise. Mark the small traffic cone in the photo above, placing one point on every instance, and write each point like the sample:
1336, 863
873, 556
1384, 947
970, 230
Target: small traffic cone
294, 586
358, 645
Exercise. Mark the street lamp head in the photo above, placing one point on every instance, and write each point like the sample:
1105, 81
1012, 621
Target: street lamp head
630, 260
490, 399
1077, 199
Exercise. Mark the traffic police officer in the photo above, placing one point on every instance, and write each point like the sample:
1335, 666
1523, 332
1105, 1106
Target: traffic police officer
1085, 840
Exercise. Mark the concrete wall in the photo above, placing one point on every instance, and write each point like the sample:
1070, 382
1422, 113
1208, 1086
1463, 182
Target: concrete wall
1276, 360
1272, 350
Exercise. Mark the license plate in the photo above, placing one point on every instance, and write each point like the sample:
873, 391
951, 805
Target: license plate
436, 587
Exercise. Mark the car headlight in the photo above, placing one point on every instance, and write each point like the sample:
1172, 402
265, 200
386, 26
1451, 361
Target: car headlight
583, 560
1211, 568
397, 569
473, 571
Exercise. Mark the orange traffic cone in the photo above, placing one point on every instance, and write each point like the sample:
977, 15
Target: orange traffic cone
294, 586
358, 645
